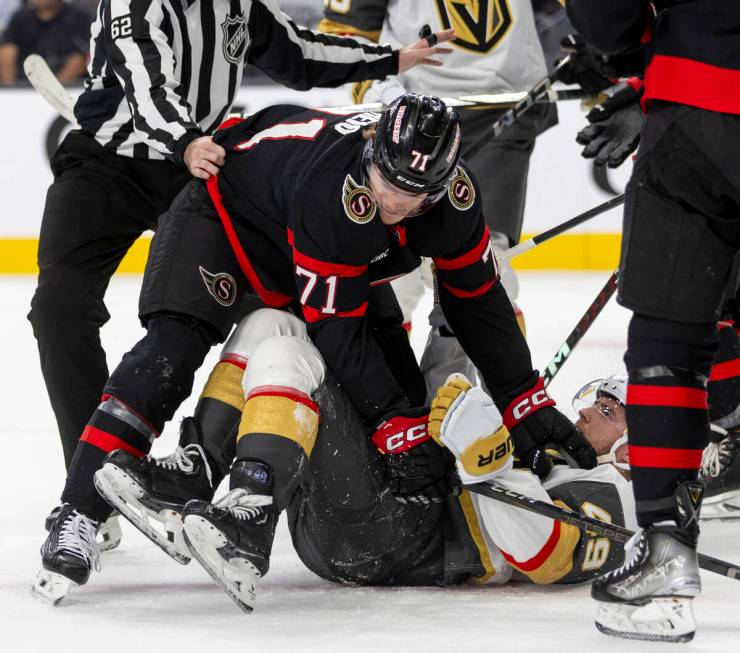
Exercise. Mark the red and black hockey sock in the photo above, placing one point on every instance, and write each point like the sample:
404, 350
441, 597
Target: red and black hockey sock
113, 426
724, 379
667, 417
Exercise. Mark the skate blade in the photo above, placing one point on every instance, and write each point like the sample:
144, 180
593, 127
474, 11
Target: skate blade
237, 577
721, 507
51, 587
122, 492
109, 535
661, 620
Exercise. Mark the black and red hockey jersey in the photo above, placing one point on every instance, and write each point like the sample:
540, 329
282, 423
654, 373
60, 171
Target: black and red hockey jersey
692, 46
292, 199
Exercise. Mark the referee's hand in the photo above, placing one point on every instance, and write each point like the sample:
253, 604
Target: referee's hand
203, 157
422, 51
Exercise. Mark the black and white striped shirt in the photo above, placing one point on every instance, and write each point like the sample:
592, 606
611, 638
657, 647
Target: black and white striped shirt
163, 72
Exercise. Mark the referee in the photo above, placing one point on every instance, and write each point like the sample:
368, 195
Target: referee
161, 78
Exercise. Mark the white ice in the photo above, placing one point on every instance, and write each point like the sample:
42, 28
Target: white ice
144, 601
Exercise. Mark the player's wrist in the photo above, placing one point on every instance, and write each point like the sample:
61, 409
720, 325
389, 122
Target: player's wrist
178, 153
527, 403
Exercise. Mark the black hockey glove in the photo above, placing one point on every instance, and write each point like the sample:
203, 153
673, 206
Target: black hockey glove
614, 129
417, 468
584, 67
594, 71
535, 424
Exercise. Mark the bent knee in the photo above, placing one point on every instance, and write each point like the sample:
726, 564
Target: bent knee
256, 327
285, 360
66, 308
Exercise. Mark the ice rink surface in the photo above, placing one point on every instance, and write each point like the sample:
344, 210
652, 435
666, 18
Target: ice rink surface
144, 601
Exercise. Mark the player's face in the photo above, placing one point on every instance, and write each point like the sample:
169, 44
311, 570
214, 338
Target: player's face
393, 203
602, 423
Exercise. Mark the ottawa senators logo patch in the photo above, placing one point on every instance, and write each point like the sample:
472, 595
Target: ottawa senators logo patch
359, 203
221, 286
461, 191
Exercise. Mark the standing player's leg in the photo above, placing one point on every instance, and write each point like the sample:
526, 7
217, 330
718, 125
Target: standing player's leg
681, 234
183, 319
98, 205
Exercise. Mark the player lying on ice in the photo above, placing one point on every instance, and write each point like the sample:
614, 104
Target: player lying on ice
309, 210
302, 447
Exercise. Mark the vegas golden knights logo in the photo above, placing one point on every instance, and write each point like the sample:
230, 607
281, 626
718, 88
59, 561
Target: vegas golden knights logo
359, 203
479, 24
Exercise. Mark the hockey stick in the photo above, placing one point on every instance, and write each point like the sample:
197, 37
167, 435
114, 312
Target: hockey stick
542, 90
584, 324
48, 86
559, 229
479, 101
596, 526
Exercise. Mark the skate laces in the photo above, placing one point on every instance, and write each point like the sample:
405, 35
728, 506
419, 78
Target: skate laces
244, 505
182, 459
78, 537
634, 550
716, 456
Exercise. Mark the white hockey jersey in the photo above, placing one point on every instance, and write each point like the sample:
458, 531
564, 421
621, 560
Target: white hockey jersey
496, 50
542, 548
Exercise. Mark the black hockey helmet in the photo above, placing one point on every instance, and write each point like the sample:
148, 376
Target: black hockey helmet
417, 144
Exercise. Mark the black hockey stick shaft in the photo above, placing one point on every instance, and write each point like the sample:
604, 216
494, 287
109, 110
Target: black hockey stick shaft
596, 526
579, 219
531, 243
584, 324
538, 92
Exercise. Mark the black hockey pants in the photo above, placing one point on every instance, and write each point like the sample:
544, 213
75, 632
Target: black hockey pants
98, 205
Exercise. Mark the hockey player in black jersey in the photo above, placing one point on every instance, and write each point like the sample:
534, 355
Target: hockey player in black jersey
680, 245
309, 211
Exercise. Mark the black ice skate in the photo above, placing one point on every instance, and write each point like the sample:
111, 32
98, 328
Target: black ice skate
68, 555
232, 538
720, 472
650, 596
109, 533
152, 492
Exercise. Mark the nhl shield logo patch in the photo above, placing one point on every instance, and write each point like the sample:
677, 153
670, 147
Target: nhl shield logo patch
461, 191
234, 38
221, 286
359, 203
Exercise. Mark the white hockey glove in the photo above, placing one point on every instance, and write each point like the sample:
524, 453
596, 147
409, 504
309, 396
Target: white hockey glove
466, 421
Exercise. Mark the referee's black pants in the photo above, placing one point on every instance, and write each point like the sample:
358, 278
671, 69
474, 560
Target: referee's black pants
98, 205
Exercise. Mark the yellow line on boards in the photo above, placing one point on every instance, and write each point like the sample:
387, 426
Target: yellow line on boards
565, 252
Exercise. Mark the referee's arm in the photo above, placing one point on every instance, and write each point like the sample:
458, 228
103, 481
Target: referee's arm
142, 59
301, 58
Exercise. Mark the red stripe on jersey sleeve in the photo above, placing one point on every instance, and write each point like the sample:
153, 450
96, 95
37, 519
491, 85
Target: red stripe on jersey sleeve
313, 315
107, 441
669, 396
270, 297
470, 257
539, 558
467, 294
664, 458
726, 370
